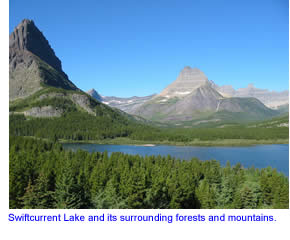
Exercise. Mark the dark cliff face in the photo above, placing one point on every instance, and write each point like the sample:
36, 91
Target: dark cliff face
26, 36
33, 63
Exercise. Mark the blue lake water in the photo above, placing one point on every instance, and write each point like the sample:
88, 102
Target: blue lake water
259, 156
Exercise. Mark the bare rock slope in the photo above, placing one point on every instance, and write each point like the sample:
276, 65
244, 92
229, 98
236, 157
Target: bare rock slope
33, 63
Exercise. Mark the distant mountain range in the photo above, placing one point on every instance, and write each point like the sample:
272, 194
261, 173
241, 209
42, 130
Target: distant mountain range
271, 99
192, 97
125, 104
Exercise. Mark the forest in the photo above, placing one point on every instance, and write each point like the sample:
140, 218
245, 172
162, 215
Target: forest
80, 126
43, 175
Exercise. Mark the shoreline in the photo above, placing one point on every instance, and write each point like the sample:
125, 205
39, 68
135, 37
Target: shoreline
214, 143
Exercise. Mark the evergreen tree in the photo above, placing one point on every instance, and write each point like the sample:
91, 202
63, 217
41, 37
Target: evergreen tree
38, 196
250, 195
29, 199
109, 198
205, 195
68, 194
225, 198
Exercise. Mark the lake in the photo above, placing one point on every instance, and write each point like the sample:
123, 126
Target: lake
259, 156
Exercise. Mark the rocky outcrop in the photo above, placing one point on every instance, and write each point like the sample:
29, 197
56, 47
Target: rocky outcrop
24, 77
46, 111
82, 101
33, 63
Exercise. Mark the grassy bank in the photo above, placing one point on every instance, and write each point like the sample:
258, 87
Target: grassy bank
196, 142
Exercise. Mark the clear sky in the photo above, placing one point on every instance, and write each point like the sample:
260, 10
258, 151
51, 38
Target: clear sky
129, 47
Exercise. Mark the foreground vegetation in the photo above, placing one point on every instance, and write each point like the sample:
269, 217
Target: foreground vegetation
43, 175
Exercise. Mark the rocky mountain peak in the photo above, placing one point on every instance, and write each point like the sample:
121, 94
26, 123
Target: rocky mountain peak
187, 81
186, 68
93, 93
27, 37
192, 75
190, 69
33, 63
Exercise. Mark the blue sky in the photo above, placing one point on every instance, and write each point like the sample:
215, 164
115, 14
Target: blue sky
125, 48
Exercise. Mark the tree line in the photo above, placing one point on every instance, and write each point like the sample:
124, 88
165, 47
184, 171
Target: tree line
83, 126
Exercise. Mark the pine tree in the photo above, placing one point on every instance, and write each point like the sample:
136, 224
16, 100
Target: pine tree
38, 196
68, 194
250, 195
108, 198
29, 199
136, 188
205, 195
225, 198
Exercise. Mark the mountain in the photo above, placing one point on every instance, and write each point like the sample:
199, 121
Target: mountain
40, 88
283, 109
271, 99
188, 80
33, 63
226, 90
192, 97
127, 105
46, 104
93, 93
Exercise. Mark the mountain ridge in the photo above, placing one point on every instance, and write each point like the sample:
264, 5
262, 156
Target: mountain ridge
127, 105
182, 87
272, 99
